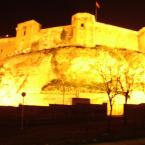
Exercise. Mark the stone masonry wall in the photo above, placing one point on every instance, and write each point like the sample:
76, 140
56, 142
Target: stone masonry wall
7, 47
83, 31
141, 39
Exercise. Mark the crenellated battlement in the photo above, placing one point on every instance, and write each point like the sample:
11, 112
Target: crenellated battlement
83, 31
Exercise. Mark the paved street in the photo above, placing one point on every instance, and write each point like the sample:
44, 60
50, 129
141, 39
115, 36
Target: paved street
125, 142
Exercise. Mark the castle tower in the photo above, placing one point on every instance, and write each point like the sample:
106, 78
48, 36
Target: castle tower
141, 40
83, 29
25, 33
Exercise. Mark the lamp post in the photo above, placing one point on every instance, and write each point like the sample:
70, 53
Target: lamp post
22, 111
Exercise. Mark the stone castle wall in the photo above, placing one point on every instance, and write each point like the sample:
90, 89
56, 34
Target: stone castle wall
55, 37
141, 39
88, 32
7, 47
115, 37
83, 31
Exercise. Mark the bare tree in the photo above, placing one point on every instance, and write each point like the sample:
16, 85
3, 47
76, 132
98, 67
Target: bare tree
133, 74
64, 87
60, 85
111, 86
126, 82
130, 80
109, 70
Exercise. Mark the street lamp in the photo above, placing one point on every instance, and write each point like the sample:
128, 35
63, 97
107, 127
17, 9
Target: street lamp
22, 111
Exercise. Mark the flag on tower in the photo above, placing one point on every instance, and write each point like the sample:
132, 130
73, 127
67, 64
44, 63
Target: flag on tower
97, 5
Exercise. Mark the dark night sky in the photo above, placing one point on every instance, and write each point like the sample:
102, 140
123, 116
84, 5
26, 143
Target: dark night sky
124, 13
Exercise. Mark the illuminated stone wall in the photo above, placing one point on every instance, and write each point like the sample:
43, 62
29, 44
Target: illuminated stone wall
89, 33
54, 37
7, 47
83, 31
115, 37
141, 39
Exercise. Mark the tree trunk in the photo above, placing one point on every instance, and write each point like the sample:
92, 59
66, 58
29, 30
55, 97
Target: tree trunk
125, 116
110, 103
126, 99
63, 94
111, 107
126, 96
110, 115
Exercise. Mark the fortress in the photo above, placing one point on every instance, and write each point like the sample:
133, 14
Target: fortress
37, 60
83, 31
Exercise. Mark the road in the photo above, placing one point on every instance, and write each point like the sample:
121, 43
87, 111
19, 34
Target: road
125, 142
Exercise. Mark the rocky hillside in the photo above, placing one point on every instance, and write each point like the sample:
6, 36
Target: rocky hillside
47, 70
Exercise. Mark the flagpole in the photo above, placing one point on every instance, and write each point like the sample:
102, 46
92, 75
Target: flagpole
96, 9
96, 13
